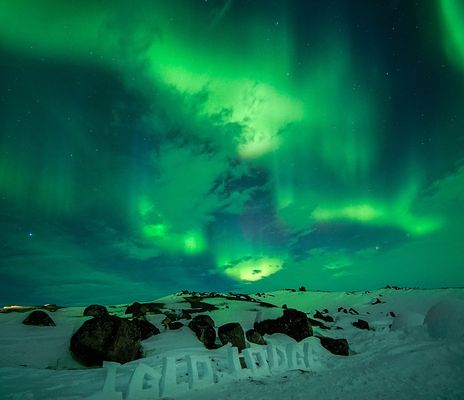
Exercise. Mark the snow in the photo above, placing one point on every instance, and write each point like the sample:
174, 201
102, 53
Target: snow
419, 353
445, 320
407, 320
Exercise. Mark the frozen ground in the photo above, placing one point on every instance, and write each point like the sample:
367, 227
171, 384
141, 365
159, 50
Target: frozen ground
401, 358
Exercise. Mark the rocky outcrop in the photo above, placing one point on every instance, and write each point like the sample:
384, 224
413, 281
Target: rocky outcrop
138, 310
95, 310
255, 337
326, 318
38, 318
339, 347
203, 327
175, 325
319, 324
232, 333
106, 338
146, 328
361, 324
293, 323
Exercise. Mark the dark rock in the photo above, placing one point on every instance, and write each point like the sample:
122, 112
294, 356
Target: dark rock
293, 323
146, 328
95, 310
135, 309
352, 311
255, 337
361, 324
171, 316
232, 333
139, 310
199, 306
38, 318
342, 309
326, 318
339, 347
185, 315
284, 306
325, 311
392, 314
302, 289
377, 301
106, 338
175, 325
315, 322
204, 319
203, 327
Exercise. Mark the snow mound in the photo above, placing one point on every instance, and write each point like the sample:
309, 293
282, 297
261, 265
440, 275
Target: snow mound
407, 320
445, 320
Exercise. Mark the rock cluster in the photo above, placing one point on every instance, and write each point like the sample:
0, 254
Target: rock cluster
293, 323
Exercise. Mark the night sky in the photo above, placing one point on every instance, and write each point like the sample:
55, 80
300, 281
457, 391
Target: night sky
230, 145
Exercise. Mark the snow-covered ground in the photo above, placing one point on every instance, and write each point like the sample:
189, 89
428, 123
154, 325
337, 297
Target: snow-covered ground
401, 357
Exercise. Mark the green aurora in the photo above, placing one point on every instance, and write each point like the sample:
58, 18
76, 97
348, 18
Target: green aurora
229, 145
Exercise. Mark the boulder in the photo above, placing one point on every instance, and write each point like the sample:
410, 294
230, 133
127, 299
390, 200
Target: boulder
302, 289
106, 338
293, 323
339, 347
136, 310
361, 324
38, 318
315, 322
352, 311
326, 318
377, 301
95, 310
147, 329
185, 315
203, 327
175, 325
232, 333
255, 337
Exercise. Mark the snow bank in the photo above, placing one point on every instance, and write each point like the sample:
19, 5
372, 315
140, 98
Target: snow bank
445, 320
407, 320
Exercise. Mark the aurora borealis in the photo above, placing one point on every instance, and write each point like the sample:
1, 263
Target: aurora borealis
154, 146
